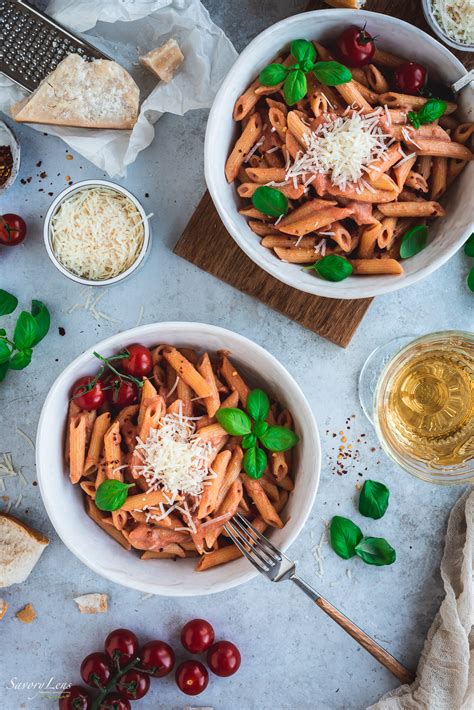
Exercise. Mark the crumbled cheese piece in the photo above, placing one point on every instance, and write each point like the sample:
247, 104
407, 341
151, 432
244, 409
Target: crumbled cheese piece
318, 552
92, 603
97, 233
164, 61
27, 614
456, 19
3, 608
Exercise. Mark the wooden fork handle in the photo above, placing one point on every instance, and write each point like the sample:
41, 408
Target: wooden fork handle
382, 656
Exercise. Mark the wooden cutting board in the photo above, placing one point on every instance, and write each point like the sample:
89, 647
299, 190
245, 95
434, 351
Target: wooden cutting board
206, 243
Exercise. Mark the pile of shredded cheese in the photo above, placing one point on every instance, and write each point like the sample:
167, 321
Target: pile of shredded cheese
342, 148
456, 19
97, 233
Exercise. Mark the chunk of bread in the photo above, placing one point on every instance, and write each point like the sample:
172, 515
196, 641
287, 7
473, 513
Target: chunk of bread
98, 94
20, 549
3, 608
164, 61
92, 603
27, 614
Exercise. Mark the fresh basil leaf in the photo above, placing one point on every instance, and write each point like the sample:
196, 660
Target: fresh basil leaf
469, 246
3, 331
112, 494
21, 359
432, 110
373, 499
25, 331
270, 201
249, 441
255, 462
234, 421
258, 405
302, 50
5, 352
332, 73
295, 87
414, 119
8, 302
273, 74
3, 370
470, 279
344, 535
43, 320
375, 551
332, 267
259, 428
414, 240
279, 438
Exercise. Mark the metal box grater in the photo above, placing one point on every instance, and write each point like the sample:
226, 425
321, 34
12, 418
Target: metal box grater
32, 44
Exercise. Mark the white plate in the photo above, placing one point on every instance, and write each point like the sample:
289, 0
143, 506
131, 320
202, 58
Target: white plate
396, 36
93, 546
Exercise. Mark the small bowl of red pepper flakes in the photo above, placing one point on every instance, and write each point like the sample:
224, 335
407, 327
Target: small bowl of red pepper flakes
9, 156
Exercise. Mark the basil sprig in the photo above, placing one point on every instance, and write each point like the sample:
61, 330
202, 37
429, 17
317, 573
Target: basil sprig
112, 494
30, 329
332, 267
413, 241
293, 77
345, 535
373, 499
375, 551
270, 201
255, 430
429, 112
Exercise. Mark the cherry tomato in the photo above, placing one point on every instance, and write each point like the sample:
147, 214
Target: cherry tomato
121, 645
96, 669
197, 635
409, 78
140, 361
115, 701
157, 658
126, 394
74, 698
355, 47
12, 230
192, 677
93, 399
223, 658
134, 685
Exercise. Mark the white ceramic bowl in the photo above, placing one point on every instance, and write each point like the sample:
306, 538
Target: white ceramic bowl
438, 30
92, 545
66, 194
394, 35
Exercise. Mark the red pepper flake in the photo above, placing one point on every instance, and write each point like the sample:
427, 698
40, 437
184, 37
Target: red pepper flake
61, 330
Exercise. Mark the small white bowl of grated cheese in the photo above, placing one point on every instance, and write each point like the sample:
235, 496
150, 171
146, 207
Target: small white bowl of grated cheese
96, 233
452, 21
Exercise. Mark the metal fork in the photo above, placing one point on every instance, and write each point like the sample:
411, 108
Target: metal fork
275, 565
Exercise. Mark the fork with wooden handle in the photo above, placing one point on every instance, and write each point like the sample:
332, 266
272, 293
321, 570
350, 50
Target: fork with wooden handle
271, 562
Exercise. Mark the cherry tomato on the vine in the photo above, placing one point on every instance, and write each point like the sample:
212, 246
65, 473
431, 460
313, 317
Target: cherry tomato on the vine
133, 684
157, 658
115, 701
74, 698
127, 393
140, 361
12, 230
197, 636
223, 658
121, 645
410, 78
93, 399
192, 677
96, 669
355, 47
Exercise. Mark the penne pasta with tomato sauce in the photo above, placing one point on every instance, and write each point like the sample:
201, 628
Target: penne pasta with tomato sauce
319, 162
162, 470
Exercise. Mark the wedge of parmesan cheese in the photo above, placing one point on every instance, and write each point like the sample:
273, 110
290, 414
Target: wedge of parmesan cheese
164, 61
92, 603
20, 549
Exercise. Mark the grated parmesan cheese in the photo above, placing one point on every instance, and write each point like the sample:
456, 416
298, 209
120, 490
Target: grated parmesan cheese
97, 233
456, 19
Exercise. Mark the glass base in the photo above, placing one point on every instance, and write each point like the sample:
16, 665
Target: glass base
373, 368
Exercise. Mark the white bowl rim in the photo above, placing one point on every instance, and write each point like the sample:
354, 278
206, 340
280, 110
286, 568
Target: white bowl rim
84, 184
134, 335
213, 181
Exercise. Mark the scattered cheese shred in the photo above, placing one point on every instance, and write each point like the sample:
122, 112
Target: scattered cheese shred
456, 19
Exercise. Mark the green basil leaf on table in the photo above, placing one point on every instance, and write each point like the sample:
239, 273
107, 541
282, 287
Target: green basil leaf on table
255, 462
373, 499
432, 110
469, 246
260, 427
3, 370
273, 74
295, 87
25, 331
43, 320
332, 267
375, 551
332, 73
344, 535
270, 201
112, 494
302, 50
470, 279
278, 438
413, 241
258, 404
234, 421
21, 359
8, 302
5, 352
249, 441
